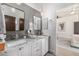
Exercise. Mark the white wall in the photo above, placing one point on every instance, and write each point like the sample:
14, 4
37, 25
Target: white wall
68, 19
69, 26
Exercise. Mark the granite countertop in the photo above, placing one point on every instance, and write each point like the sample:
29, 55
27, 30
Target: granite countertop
23, 40
19, 42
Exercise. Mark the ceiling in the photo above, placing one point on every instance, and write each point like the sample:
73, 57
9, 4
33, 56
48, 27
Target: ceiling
48, 10
40, 6
37, 6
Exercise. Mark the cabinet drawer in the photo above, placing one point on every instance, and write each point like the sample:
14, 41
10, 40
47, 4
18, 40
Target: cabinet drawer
20, 47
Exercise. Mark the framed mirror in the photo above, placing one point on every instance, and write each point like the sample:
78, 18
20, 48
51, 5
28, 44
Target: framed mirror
14, 18
13, 21
37, 23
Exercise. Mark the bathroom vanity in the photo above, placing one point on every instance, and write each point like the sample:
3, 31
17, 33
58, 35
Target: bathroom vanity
15, 29
27, 47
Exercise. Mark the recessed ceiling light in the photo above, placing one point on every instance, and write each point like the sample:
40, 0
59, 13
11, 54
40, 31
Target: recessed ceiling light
13, 9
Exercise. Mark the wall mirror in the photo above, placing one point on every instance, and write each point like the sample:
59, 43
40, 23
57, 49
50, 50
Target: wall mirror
14, 20
37, 25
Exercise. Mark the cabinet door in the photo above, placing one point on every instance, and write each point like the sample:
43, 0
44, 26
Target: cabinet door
23, 50
12, 51
46, 43
43, 47
29, 49
37, 48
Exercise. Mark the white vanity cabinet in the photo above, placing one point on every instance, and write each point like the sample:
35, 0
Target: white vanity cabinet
37, 48
44, 45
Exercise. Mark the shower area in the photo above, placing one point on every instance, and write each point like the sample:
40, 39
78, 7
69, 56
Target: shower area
67, 30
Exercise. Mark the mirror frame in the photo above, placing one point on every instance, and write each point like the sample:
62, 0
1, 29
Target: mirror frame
4, 17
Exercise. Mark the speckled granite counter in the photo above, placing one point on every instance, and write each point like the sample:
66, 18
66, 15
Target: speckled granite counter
21, 41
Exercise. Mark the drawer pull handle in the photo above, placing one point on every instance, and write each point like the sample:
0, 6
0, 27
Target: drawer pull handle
21, 48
